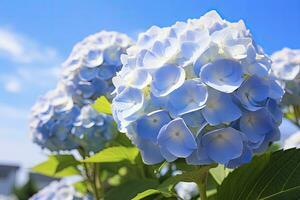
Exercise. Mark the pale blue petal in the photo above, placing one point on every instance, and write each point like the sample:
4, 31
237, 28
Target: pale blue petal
150, 152
149, 126
167, 79
199, 156
256, 124
128, 102
275, 90
87, 74
223, 145
253, 93
223, 75
275, 111
194, 119
244, 158
167, 155
191, 96
220, 108
94, 58
106, 72
257, 69
177, 138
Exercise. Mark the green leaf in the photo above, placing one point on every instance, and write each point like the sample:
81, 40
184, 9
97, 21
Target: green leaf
166, 187
114, 154
102, 105
130, 189
268, 177
58, 166
150, 192
81, 187
219, 173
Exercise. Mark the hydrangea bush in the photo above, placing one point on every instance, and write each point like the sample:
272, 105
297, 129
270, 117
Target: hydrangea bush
59, 190
199, 90
62, 119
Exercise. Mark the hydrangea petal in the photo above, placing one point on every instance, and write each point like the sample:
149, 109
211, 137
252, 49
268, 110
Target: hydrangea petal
253, 93
223, 75
166, 79
256, 124
149, 126
223, 145
191, 96
220, 108
177, 138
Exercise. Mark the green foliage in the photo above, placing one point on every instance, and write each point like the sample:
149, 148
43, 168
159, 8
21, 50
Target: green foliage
114, 154
81, 187
219, 173
167, 186
121, 139
58, 166
26, 191
270, 176
130, 189
102, 105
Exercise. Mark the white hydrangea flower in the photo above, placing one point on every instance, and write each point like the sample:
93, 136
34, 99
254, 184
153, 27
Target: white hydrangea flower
293, 141
186, 190
59, 190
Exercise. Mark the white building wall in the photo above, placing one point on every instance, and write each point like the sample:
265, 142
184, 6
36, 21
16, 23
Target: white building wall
7, 184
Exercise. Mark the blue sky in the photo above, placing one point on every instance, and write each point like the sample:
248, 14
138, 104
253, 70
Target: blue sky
36, 36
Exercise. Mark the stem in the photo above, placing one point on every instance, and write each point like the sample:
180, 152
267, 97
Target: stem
91, 176
297, 115
92, 182
202, 185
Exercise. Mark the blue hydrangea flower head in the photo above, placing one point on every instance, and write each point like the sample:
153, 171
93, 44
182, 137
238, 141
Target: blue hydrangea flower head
59, 190
52, 120
286, 68
200, 90
88, 71
92, 130
58, 124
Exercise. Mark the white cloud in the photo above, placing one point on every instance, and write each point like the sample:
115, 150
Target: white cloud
31, 64
13, 86
19, 48
27, 69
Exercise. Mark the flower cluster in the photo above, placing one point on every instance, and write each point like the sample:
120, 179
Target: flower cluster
59, 191
88, 71
199, 90
286, 68
62, 119
52, 119
92, 129
58, 124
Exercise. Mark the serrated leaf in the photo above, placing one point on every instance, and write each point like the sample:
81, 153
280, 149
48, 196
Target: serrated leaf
58, 166
130, 189
102, 105
114, 154
219, 173
268, 177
